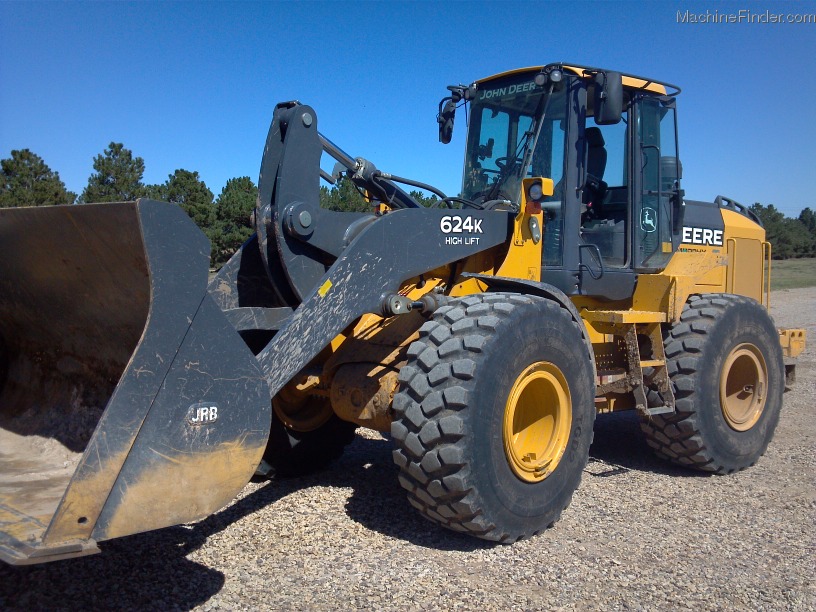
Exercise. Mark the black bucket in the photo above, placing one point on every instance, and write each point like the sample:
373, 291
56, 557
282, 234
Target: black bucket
127, 401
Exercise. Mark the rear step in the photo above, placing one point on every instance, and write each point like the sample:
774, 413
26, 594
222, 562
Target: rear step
127, 400
630, 324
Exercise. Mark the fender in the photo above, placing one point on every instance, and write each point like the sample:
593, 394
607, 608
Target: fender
529, 287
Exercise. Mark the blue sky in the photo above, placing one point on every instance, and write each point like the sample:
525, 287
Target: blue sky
193, 85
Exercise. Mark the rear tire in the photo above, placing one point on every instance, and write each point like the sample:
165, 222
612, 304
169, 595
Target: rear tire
494, 415
725, 362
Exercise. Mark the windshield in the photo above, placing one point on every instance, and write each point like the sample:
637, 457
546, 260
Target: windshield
501, 128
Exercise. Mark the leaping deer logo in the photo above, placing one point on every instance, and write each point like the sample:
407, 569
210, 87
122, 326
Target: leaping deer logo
648, 220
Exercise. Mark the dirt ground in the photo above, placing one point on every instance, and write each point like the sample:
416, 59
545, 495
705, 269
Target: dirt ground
639, 535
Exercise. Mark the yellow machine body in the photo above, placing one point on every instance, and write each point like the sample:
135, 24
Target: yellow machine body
741, 265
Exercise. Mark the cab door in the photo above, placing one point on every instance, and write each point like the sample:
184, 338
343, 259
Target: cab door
627, 212
657, 181
606, 197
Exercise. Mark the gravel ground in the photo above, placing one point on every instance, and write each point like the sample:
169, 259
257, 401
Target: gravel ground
639, 534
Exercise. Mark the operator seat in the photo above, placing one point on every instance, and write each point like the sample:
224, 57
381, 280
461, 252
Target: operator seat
594, 187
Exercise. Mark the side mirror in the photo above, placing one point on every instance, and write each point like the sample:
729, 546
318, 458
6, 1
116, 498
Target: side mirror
671, 171
445, 119
608, 97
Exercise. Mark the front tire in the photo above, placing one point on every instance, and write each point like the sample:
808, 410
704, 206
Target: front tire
494, 415
725, 362
305, 435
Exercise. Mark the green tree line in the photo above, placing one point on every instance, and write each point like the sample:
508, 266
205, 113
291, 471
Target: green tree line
118, 177
27, 180
344, 196
788, 237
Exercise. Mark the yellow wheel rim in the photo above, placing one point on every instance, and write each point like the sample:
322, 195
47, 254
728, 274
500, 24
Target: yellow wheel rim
537, 421
743, 387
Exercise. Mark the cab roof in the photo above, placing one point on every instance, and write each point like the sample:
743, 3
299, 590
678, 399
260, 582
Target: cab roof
585, 72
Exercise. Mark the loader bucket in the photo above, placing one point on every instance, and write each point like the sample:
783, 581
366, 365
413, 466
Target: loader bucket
127, 400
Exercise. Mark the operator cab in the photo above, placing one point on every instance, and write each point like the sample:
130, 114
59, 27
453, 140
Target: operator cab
609, 144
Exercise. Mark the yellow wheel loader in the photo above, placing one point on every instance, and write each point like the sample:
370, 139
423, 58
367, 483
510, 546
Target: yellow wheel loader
484, 332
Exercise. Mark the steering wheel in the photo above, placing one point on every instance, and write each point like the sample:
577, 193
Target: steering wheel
503, 162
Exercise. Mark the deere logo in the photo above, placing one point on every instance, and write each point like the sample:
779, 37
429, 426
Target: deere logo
648, 220
703, 235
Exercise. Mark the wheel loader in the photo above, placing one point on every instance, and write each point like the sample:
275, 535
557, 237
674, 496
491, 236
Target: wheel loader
483, 333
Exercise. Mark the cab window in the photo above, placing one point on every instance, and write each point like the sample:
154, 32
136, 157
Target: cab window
657, 139
605, 196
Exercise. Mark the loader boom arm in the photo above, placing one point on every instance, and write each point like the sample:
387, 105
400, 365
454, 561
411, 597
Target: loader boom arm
298, 239
398, 246
332, 267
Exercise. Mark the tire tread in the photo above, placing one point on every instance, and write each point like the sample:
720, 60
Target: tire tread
442, 365
677, 437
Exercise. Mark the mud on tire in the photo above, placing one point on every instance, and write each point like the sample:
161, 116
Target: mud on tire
450, 414
725, 363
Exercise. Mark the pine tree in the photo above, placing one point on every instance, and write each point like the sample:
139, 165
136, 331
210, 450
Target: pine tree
788, 237
233, 218
423, 199
28, 181
344, 197
118, 176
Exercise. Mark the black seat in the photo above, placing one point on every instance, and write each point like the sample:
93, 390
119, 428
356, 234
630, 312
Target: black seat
595, 187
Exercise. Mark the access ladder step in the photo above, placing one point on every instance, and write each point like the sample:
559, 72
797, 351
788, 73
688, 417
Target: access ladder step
658, 410
652, 363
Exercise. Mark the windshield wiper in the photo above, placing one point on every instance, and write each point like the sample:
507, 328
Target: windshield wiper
529, 148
